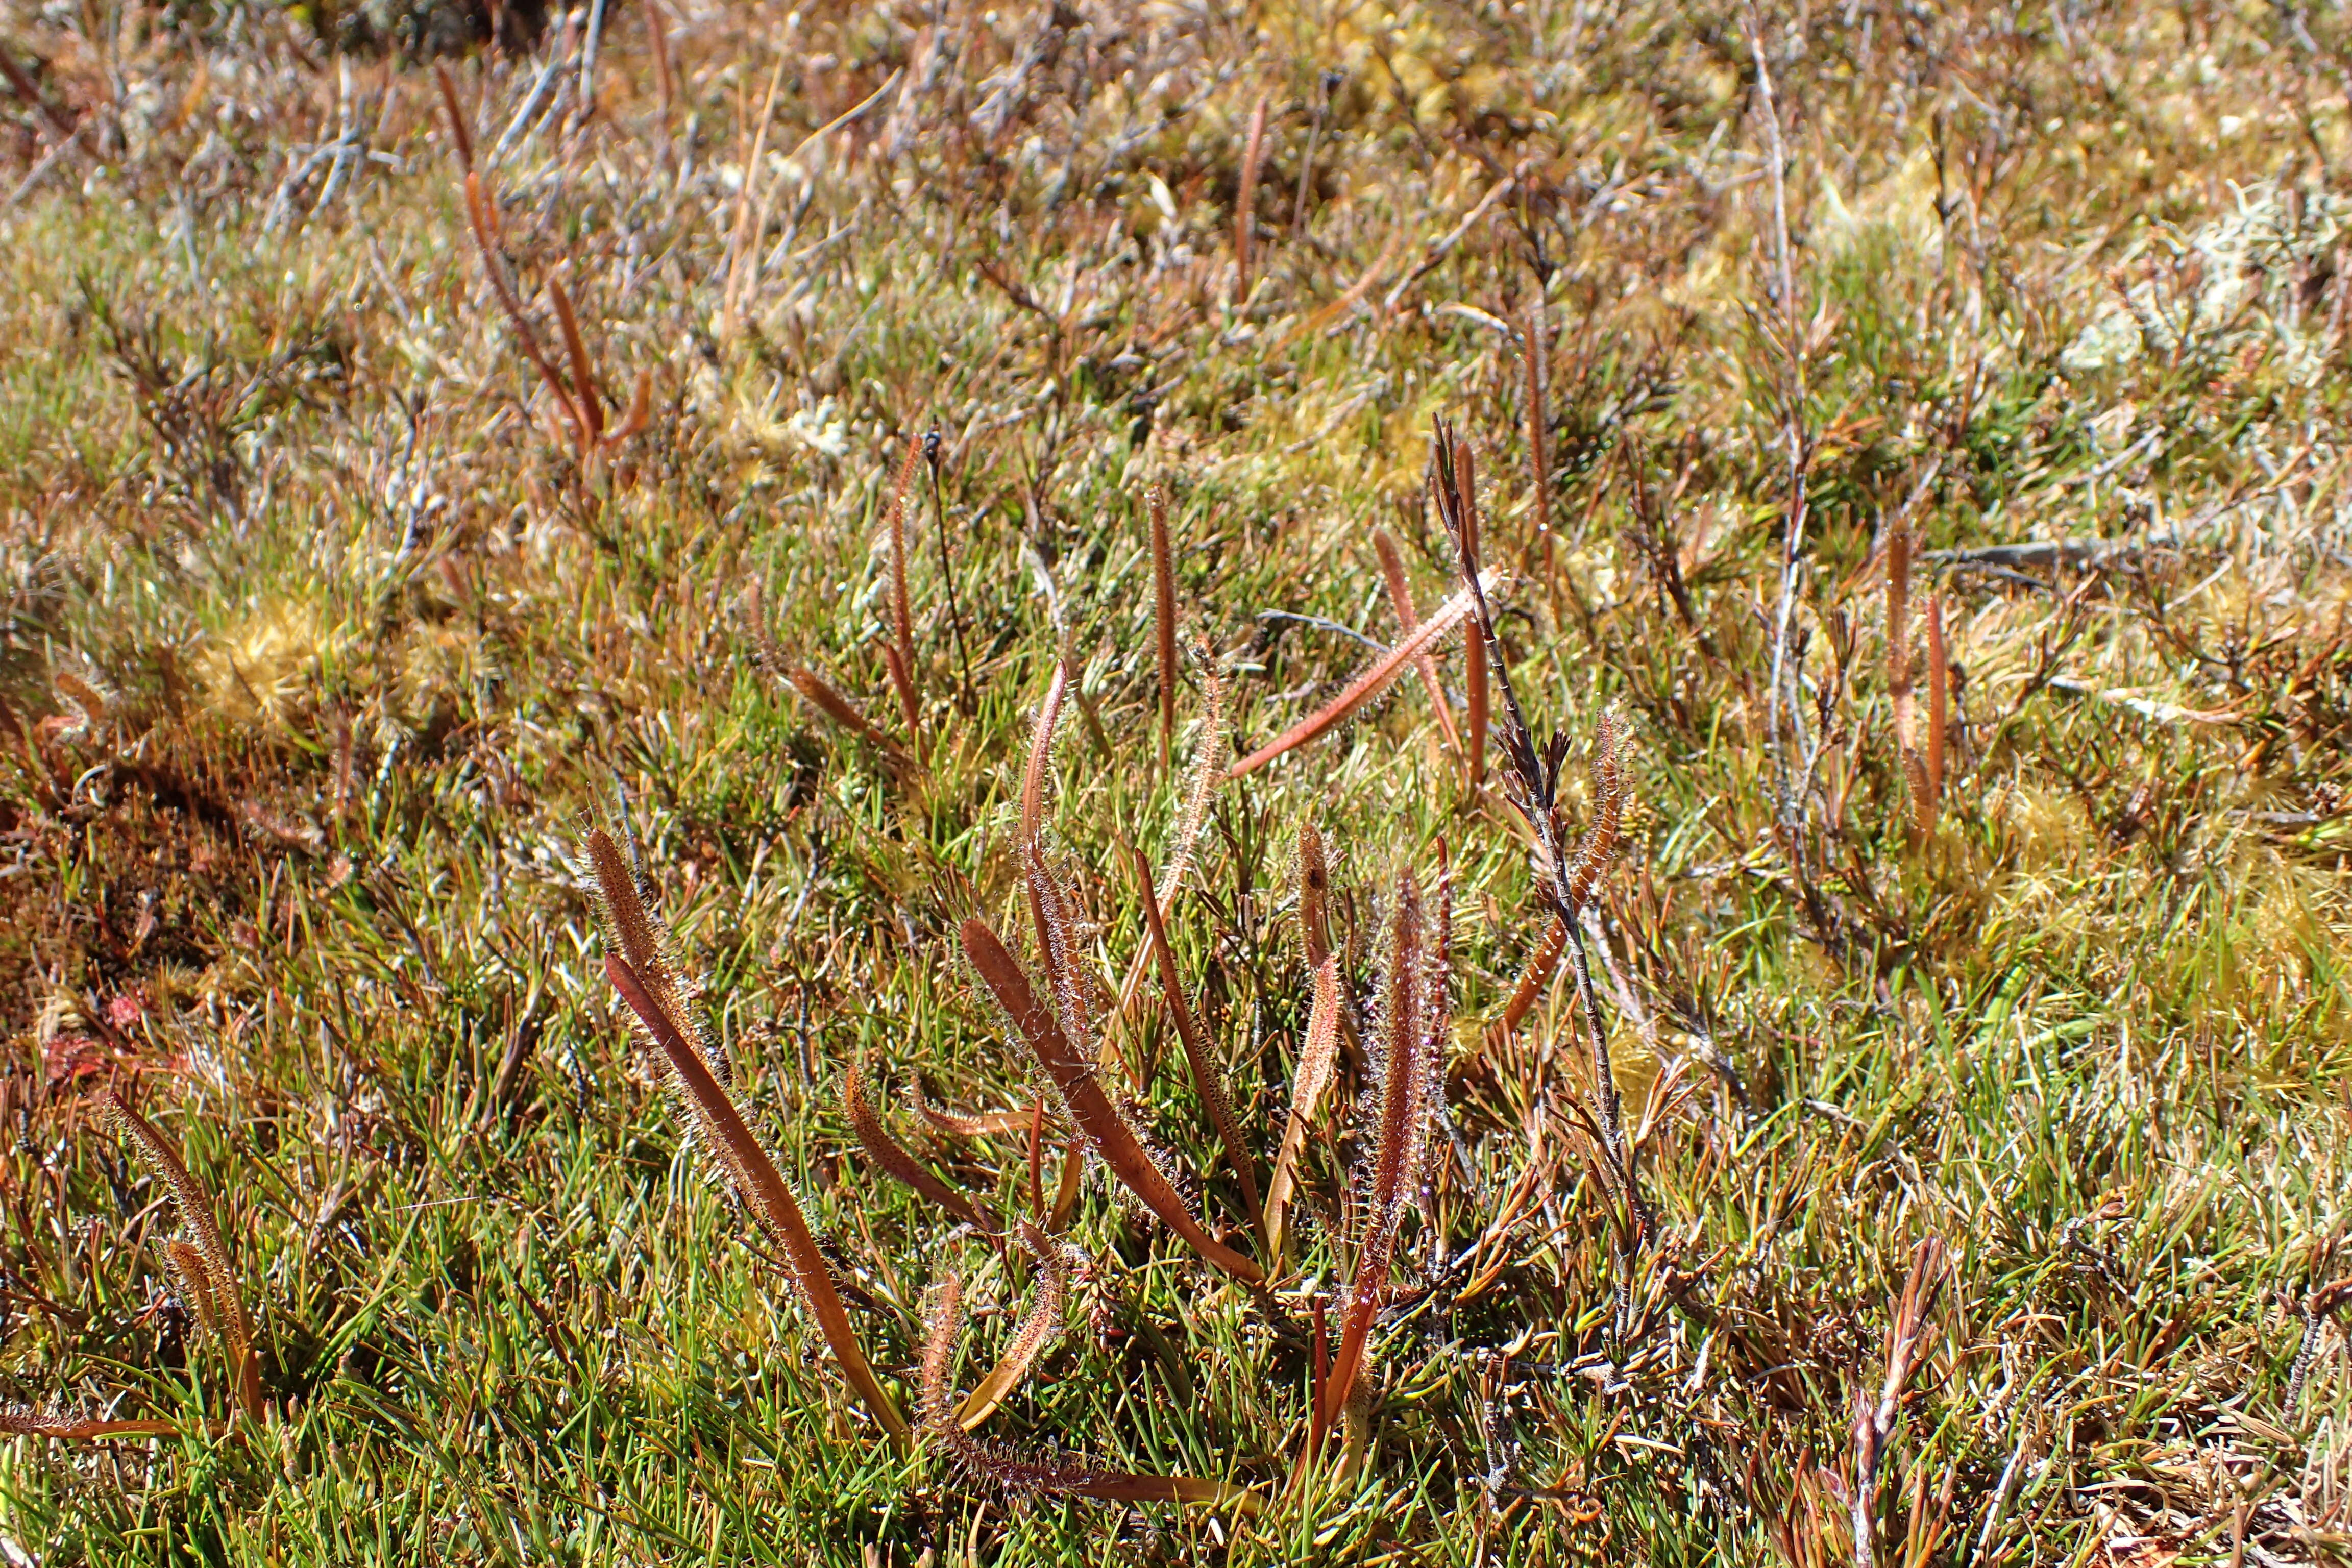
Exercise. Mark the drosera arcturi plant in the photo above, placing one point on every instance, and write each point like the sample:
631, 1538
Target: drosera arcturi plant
68, 1427
1408, 622
895, 1160
1208, 1080
814, 689
1088, 1108
1315, 933
1204, 773
640, 964
201, 1276
643, 967
1400, 1106
594, 432
1922, 756
948, 1421
1317, 1057
1059, 1038
1540, 965
1374, 679
198, 1260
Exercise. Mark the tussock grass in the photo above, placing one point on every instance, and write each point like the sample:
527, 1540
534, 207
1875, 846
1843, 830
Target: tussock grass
1883, 1092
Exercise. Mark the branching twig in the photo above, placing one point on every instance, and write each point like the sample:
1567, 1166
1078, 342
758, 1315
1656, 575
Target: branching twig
1794, 431
1874, 1420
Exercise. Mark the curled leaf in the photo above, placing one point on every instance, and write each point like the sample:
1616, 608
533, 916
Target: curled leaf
1541, 965
1023, 1475
965, 1123
1608, 796
1038, 1328
839, 708
1035, 778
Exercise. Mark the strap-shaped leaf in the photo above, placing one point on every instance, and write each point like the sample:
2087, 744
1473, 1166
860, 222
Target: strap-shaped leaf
1091, 1111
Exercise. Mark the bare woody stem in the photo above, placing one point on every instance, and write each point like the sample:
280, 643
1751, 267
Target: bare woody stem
904, 673
1537, 459
1874, 1420
1474, 645
947, 569
1571, 880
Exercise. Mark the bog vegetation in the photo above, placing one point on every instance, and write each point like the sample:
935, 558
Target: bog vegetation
1260, 783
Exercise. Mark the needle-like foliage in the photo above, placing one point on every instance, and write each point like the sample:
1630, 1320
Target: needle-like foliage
1568, 880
